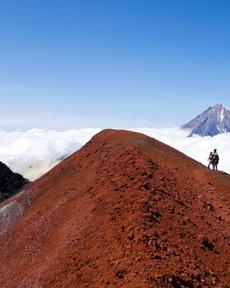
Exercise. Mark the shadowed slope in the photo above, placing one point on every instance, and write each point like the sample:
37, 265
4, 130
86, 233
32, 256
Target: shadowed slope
10, 183
124, 211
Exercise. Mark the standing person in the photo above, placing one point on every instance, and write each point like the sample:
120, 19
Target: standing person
215, 159
210, 160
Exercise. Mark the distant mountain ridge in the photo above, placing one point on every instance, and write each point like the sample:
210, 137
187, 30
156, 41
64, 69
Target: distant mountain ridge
215, 120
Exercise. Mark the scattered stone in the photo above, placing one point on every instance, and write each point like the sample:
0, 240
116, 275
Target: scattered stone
209, 207
120, 274
146, 186
208, 244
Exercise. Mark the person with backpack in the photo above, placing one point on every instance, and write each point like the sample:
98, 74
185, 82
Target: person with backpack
210, 159
213, 159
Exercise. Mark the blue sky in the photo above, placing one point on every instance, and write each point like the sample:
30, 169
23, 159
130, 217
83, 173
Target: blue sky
106, 63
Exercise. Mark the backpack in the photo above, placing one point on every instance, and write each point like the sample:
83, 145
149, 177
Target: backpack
215, 157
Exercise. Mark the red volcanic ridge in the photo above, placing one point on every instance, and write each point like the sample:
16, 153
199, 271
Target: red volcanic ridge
124, 211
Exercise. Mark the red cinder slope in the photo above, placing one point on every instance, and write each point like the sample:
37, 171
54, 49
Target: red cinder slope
124, 211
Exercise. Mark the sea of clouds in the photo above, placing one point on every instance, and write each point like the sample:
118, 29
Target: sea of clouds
33, 152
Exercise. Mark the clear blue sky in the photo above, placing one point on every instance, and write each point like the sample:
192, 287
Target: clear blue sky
112, 63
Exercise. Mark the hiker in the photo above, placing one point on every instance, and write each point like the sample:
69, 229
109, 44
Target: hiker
210, 160
213, 159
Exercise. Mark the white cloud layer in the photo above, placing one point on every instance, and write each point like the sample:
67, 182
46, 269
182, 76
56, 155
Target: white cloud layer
34, 152
196, 147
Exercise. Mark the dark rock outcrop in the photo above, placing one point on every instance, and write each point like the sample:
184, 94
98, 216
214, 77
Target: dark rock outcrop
10, 183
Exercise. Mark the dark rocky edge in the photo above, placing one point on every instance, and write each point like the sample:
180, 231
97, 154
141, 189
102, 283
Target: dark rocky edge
10, 182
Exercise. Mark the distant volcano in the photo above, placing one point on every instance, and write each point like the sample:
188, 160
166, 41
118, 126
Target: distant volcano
213, 121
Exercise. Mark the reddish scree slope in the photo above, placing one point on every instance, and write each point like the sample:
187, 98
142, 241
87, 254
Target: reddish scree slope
124, 211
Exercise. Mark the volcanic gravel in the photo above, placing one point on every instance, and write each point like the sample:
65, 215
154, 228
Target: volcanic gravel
124, 211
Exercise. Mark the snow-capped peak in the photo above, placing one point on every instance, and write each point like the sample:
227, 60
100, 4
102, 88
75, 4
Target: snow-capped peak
222, 115
213, 121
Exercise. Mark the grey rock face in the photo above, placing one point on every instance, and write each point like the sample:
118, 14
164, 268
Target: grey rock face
213, 121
